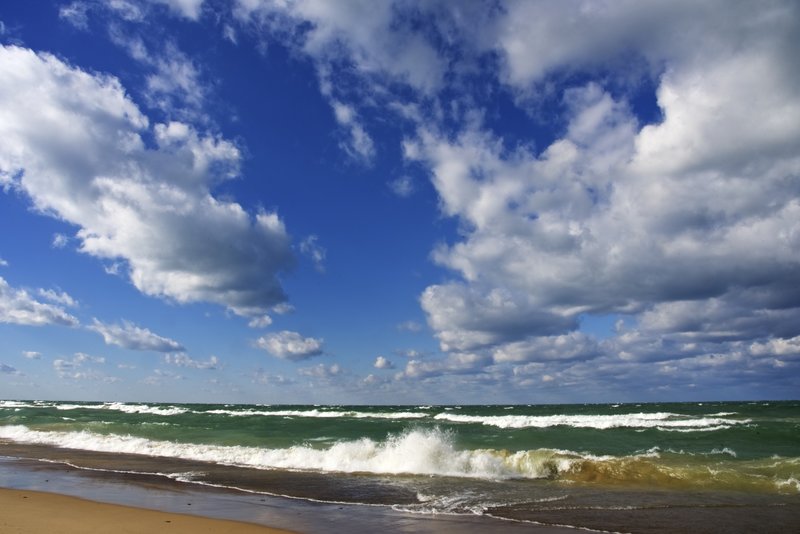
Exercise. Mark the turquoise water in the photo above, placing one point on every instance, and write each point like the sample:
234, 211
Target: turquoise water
513, 461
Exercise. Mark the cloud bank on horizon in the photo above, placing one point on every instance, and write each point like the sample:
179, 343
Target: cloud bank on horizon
616, 191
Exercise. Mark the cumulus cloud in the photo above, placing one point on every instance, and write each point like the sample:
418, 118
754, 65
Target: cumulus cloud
616, 218
17, 306
32, 355
684, 221
381, 362
687, 224
149, 208
129, 336
290, 345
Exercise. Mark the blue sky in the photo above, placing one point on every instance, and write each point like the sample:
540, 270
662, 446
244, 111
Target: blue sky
399, 202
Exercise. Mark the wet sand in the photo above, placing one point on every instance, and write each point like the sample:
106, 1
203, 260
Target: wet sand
157, 493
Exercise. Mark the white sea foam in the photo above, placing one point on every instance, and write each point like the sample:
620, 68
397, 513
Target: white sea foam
144, 408
421, 452
114, 406
724, 450
790, 483
659, 420
325, 414
14, 404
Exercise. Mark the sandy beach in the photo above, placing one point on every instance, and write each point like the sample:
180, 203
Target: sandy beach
27, 511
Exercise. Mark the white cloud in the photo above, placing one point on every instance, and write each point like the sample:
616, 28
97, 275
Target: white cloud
359, 145
260, 322
321, 371
381, 362
74, 369
311, 248
410, 353
150, 208
453, 364
594, 224
382, 43
183, 360
174, 82
18, 307
32, 355
191, 9
56, 297
403, 186
131, 11
290, 345
76, 14
260, 376
377, 37
60, 241
3, 263
777, 347
283, 308
130, 336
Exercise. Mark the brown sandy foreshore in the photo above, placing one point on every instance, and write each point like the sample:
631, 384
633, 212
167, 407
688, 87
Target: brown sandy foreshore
35, 512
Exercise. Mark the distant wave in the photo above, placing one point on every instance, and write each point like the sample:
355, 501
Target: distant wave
658, 420
115, 406
319, 413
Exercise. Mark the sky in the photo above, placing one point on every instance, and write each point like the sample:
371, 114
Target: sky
399, 202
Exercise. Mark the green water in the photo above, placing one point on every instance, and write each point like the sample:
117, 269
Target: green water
744, 446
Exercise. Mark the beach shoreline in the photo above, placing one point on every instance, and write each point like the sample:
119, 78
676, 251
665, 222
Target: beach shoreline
258, 512
655, 469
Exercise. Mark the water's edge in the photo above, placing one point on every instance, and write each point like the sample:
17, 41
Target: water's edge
124, 479
161, 493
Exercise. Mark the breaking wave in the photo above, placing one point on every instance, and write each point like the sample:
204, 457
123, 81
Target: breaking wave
659, 420
113, 406
327, 414
433, 452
